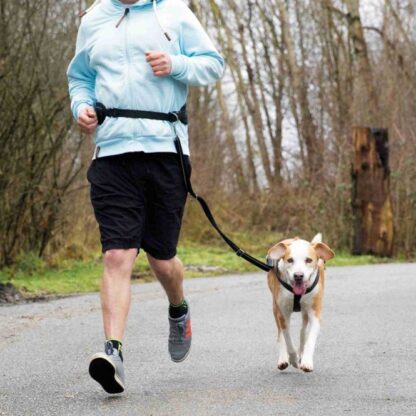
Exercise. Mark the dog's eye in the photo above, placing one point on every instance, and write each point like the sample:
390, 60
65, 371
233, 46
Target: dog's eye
308, 260
290, 260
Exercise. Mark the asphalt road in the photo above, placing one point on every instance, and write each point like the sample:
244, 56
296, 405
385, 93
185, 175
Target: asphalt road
365, 363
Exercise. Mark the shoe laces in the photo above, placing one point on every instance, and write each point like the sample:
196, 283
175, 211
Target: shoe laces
177, 333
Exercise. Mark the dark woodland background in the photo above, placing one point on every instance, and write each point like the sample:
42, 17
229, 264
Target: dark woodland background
271, 144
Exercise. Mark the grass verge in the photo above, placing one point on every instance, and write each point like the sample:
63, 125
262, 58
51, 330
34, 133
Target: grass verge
84, 276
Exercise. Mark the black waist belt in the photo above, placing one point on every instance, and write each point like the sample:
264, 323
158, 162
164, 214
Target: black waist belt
181, 115
103, 112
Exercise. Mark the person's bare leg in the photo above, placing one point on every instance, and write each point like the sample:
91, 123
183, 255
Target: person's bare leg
170, 275
116, 291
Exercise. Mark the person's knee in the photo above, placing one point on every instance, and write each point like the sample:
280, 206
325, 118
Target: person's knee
166, 269
119, 259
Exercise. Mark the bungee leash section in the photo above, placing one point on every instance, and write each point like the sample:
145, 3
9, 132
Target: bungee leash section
172, 117
237, 250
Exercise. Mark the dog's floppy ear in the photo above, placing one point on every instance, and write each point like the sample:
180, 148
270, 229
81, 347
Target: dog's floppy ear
277, 252
323, 251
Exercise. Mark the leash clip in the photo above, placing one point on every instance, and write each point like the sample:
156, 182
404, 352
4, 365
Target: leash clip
173, 124
240, 252
176, 115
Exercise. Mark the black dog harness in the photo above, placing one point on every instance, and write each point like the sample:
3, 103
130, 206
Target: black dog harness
297, 298
174, 116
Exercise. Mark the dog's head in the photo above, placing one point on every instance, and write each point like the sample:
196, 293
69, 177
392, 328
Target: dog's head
297, 260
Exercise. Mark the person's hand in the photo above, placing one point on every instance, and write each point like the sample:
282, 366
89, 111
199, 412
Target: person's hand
87, 120
160, 62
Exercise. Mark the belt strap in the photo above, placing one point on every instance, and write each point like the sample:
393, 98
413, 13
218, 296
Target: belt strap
102, 112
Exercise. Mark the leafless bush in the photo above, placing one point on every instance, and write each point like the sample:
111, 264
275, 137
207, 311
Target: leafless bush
40, 152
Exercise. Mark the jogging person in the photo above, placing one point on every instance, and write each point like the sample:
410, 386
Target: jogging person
138, 55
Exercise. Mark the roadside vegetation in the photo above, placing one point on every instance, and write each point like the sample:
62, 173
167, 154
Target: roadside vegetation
34, 278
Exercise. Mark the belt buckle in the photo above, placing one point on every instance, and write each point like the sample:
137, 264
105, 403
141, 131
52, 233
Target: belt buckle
100, 111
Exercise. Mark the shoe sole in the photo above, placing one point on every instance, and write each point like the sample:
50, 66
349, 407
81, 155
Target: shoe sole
184, 357
103, 371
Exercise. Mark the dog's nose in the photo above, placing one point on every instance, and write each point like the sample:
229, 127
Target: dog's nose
298, 276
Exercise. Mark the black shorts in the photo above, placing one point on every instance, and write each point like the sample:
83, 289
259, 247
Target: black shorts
138, 200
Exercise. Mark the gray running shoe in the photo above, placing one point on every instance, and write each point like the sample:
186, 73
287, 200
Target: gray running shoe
180, 337
107, 369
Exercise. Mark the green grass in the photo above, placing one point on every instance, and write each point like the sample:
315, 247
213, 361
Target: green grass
84, 276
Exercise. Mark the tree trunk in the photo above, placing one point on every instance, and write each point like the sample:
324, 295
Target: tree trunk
367, 104
371, 202
301, 105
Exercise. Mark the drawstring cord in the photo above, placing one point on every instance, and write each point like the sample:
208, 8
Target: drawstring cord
126, 12
158, 21
96, 2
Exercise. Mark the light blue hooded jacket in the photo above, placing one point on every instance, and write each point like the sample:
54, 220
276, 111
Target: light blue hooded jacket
110, 67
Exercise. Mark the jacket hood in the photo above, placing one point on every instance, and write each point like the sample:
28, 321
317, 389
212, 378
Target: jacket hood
117, 5
114, 6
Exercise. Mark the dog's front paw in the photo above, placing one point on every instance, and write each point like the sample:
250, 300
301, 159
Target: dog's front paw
306, 365
282, 365
294, 359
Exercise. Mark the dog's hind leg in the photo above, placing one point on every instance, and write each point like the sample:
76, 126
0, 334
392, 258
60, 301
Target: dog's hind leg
283, 361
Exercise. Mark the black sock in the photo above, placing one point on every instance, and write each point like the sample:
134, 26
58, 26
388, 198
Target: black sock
117, 345
176, 311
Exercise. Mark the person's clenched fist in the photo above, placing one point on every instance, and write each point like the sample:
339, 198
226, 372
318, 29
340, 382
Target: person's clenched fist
160, 63
87, 120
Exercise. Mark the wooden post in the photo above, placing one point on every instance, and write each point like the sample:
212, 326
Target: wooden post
371, 200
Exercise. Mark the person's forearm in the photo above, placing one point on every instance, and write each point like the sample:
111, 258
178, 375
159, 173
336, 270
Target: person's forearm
198, 70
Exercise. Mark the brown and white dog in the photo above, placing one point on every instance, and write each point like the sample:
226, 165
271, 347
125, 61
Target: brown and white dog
298, 265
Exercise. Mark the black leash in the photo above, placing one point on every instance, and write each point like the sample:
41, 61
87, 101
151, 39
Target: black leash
181, 115
237, 250
235, 247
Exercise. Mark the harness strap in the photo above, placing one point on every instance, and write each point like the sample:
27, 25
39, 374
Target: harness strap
297, 298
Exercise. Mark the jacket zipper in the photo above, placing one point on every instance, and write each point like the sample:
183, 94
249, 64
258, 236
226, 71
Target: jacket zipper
127, 52
126, 45
126, 12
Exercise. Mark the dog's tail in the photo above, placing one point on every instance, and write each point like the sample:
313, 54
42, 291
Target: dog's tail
317, 239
